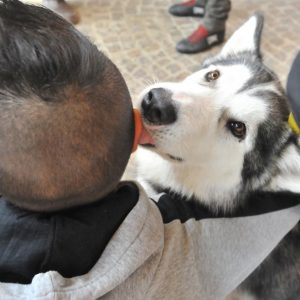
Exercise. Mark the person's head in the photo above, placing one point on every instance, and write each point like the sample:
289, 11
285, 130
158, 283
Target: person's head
66, 122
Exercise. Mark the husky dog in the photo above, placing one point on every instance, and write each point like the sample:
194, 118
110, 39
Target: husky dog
222, 134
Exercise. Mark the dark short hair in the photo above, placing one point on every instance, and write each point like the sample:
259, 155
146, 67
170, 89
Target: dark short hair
66, 124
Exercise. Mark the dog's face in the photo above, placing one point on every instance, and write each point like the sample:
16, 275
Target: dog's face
206, 112
221, 116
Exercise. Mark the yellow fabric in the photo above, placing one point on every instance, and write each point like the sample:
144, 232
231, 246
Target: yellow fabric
293, 124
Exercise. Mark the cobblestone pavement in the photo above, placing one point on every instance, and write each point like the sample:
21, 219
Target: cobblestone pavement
140, 36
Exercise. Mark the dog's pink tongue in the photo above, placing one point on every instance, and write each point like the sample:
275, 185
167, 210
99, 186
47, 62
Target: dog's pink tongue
145, 137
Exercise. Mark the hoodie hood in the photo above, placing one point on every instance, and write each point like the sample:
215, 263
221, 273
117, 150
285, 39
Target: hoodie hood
69, 241
132, 243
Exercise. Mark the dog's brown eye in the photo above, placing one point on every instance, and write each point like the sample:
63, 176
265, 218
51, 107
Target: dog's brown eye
238, 129
213, 75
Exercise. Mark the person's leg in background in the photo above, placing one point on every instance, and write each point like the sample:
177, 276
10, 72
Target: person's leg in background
63, 9
212, 30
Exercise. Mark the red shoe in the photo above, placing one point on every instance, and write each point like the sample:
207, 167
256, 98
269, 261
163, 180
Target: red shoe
192, 8
200, 40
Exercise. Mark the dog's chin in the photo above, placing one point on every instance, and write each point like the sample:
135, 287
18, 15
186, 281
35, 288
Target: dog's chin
164, 155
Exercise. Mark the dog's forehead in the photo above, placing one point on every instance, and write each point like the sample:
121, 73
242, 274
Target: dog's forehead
231, 78
238, 73
257, 70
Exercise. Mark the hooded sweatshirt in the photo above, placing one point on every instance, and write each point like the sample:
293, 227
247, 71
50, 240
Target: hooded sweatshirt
127, 246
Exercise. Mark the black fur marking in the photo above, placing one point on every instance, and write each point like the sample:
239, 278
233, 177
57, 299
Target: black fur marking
279, 110
293, 139
258, 32
272, 138
262, 76
262, 156
177, 207
278, 277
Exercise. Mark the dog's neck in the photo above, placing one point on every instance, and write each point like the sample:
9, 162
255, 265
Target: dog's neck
208, 183
214, 185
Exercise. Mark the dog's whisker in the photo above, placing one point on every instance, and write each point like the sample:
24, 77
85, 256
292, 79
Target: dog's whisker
147, 82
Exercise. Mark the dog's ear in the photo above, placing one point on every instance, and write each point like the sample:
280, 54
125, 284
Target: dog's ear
246, 38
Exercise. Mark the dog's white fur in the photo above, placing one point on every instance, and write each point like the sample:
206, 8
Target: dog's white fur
212, 158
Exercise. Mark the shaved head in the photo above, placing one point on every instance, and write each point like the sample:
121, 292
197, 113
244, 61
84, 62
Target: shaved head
66, 123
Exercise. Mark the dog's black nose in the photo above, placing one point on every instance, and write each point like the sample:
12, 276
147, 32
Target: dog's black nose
158, 107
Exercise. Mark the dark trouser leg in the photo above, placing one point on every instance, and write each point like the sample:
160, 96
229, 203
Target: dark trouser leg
211, 32
216, 14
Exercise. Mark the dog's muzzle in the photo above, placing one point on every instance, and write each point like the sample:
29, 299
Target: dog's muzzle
158, 108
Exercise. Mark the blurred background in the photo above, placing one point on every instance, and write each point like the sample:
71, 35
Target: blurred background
140, 36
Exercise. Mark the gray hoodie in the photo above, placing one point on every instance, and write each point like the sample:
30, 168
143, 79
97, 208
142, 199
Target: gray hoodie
170, 249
